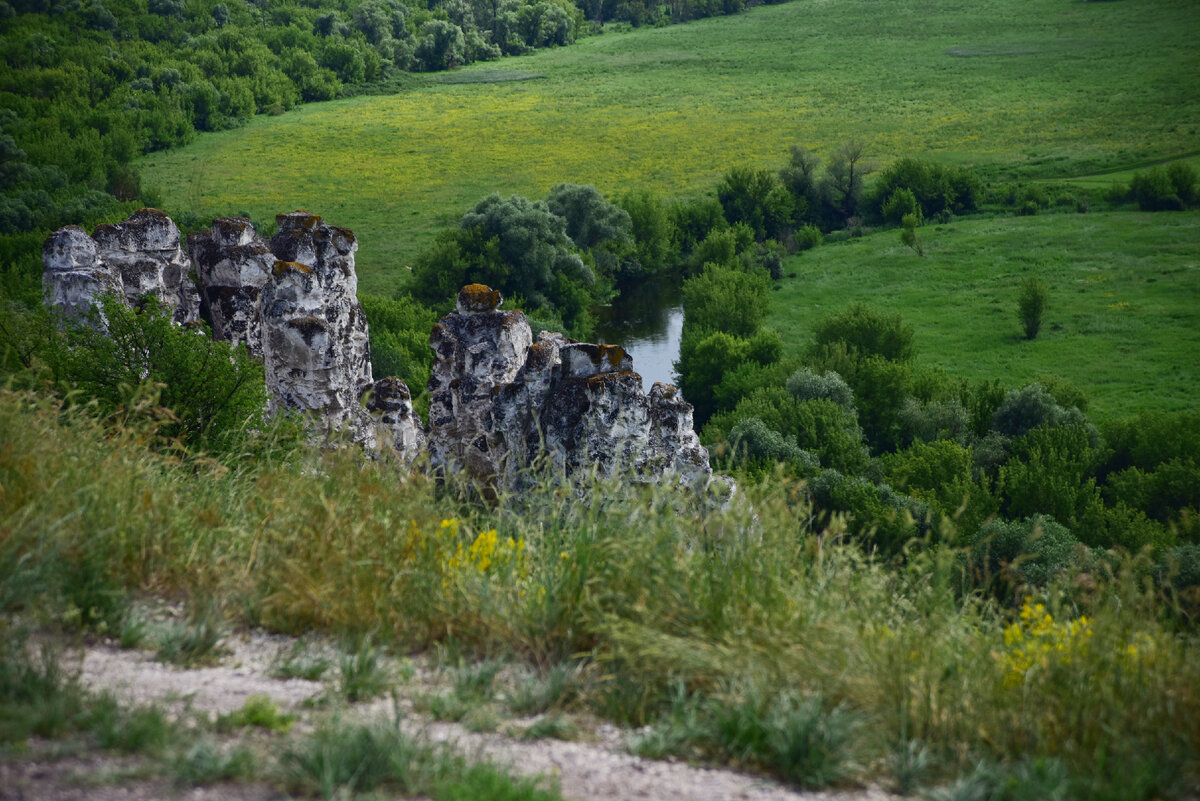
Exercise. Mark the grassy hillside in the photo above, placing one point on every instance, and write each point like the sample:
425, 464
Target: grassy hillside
1122, 323
1011, 86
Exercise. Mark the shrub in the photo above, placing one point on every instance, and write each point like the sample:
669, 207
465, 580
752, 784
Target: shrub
932, 421
808, 237
1030, 407
215, 393
900, 204
804, 384
941, 474
880, 387
1051, 472
869, 332
1009, 555
1031, 304
756, 447
727, 299
881, 517
1158, 189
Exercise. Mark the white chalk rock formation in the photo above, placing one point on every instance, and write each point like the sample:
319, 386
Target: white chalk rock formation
500, 404
314, 332
232, 263
145, 249
131, 259
476, 349
73, 277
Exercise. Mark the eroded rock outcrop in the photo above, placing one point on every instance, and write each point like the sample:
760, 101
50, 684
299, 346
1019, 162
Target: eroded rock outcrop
132, 259
233, 263
500, 402
293, 303
496, 409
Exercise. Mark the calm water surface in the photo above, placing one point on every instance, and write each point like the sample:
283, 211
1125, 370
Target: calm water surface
647, 321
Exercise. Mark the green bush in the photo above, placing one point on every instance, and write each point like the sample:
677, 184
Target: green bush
879, 516
756, 448
142, 362
804, 384
1030, 407
880, 387
1031, 304
899, 205
1009, 555
1158, 189
942, 474
808, 237
932, 421
934, 190
727, 299
1051, 471
869, 332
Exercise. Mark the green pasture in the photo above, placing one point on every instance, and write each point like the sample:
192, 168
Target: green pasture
1052, 88
1122, 322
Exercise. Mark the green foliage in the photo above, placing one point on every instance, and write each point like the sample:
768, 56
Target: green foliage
933, 420
400, 329
1031, 304
38, 695
726, 299
808, 237
754, 447
259, 711
1007, 555
1030, 407
819, 426
655, 238
192, 643
900, 204
361, 674
804, 384
867, 332
908, 234
518, 247
597, 227
756, 198
879, 517
941, 473
930, 191
1165, 189
725, 246
1052, 472
694, 220
214, 393
880, 387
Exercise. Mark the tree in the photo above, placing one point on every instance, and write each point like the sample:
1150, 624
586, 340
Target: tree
654, 234
517, 246
843, 184
441, 46
727, 299
594, 225
1031, 304
869, 332
755, 197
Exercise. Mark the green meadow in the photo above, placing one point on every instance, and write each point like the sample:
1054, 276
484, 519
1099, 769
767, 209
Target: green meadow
1016, 88
1122, 322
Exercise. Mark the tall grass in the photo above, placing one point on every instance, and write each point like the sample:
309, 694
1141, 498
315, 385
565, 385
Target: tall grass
658, 595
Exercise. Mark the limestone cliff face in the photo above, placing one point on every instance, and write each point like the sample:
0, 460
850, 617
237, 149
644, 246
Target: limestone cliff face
314, 332
500, 403
233, 263
131, 259
476, 349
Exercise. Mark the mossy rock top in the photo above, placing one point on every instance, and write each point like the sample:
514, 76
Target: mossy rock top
478, 298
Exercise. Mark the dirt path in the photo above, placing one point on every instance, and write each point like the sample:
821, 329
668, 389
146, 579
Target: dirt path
598, 769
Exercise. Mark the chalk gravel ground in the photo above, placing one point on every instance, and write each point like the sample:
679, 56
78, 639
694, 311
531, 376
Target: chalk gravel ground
597, 767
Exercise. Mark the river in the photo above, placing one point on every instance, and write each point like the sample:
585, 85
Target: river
647, 321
